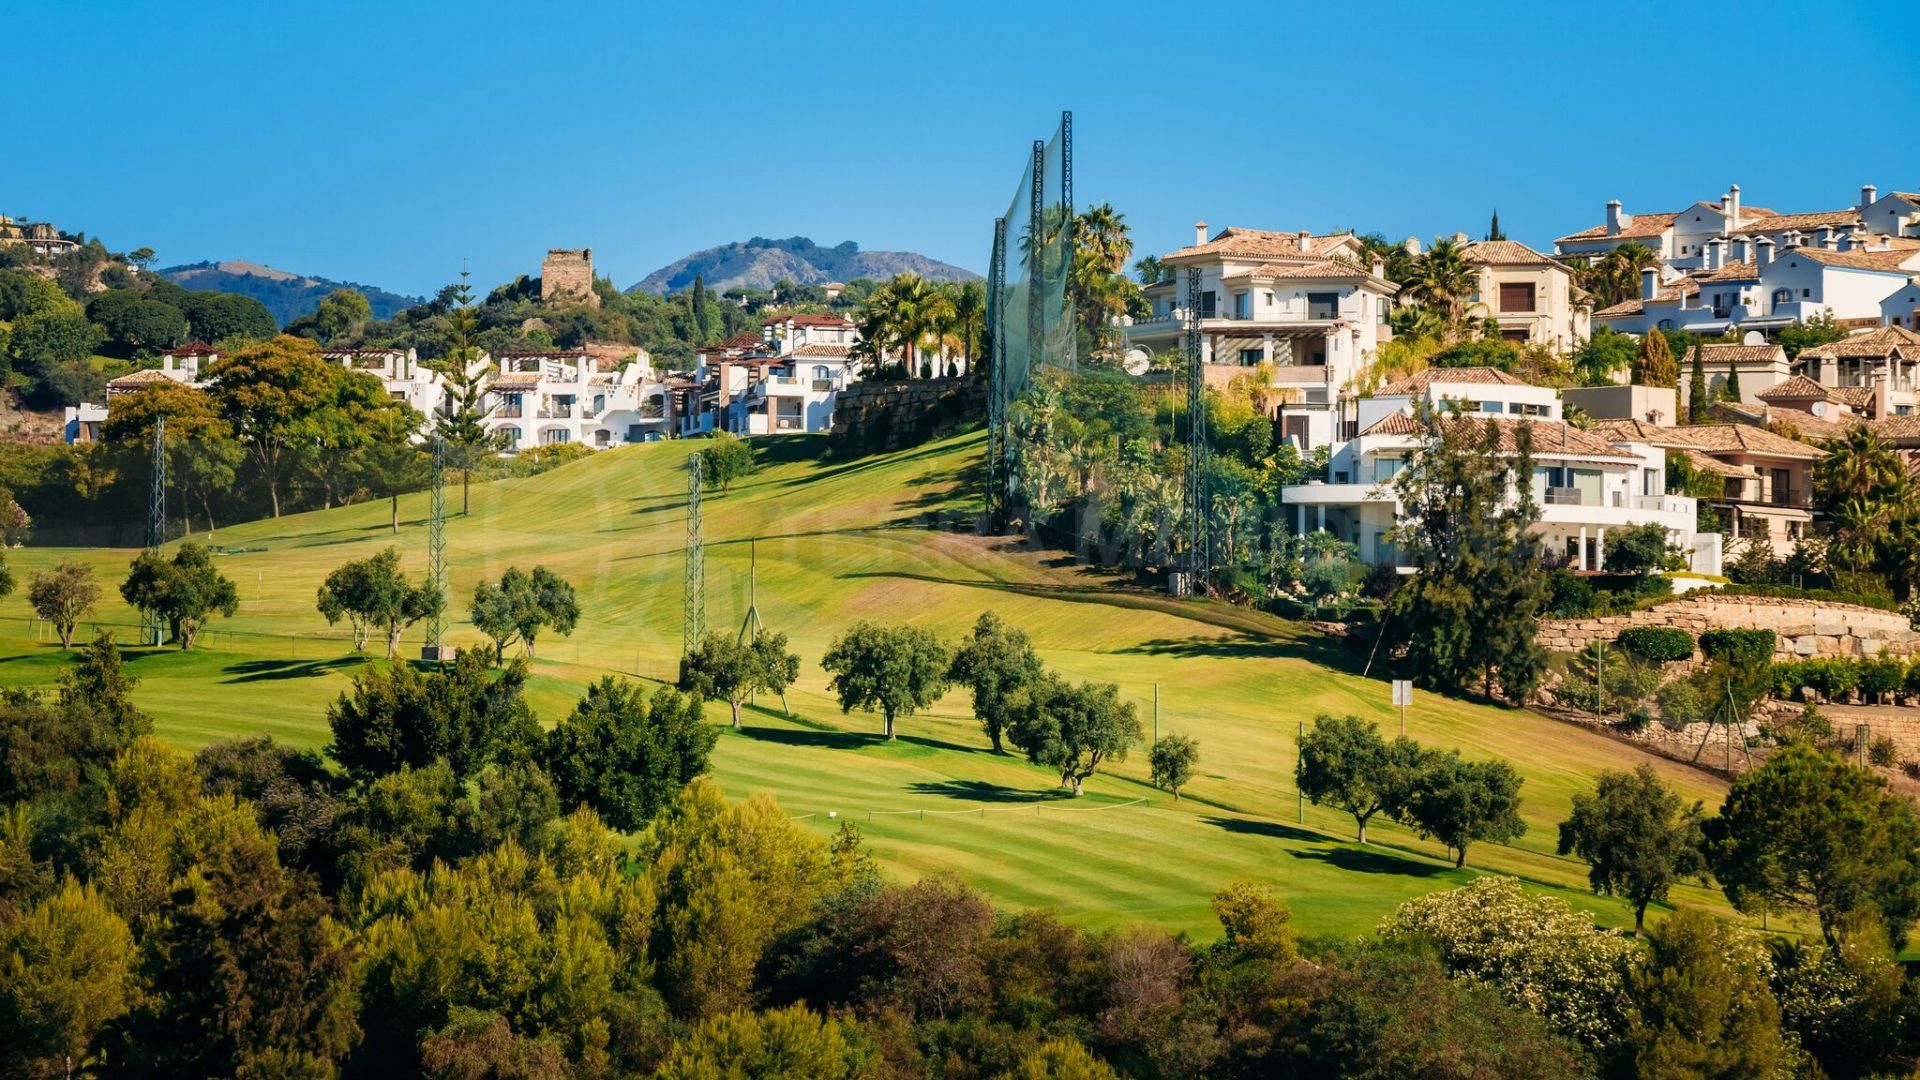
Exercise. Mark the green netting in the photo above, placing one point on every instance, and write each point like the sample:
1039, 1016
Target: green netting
1034, 312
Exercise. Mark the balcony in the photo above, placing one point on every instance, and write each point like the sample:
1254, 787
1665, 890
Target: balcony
507, 412
555, 412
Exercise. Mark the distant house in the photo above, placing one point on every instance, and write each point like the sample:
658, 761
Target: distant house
1881, 362
1767, 487
1531, 297
1761, 367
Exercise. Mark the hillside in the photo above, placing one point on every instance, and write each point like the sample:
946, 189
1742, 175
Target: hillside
759, 262
826, 543
288, 296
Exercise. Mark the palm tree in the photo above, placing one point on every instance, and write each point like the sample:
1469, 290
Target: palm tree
1862, 482
969, 329
1098, 283
1443, 280
1616, 276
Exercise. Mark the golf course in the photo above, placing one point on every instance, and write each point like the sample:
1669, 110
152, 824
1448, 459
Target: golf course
816, 544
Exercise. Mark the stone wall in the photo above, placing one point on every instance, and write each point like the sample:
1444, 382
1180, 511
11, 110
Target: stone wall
873, 417
566, 275
1804, 627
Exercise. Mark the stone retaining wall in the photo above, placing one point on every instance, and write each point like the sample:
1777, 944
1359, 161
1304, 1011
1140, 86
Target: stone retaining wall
1804, 627
873, 417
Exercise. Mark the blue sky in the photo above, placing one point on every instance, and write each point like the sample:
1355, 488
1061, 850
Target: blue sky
385, 143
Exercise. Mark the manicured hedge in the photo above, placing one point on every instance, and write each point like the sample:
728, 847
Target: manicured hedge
1831, 596
1741, 648
1835, 677
1656, 642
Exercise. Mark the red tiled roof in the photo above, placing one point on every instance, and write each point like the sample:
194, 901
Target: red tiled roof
1892, 261
141, 378
1641, 227
196, 348
1812, 220
805, 318
1506, 253
1418, 382
1717, 353
1263, 244
1798, 388
1869, 344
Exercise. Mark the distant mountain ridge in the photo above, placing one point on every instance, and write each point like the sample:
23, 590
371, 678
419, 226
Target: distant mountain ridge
759, 262
288, 296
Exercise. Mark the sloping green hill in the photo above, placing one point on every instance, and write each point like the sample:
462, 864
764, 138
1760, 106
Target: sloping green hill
887, 538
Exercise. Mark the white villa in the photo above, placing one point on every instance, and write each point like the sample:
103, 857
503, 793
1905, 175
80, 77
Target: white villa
1313, 308
1583, 483
786, 380
554, 396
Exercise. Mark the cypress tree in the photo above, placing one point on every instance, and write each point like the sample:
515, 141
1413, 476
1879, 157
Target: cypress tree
1732, 391
1493, 229
1697, 389
1655, 366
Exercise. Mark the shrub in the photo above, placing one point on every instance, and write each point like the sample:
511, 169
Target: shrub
1662, 643
1881, 676
1740, 648
1830, 677
1913, 678
1836, 596
1882, 752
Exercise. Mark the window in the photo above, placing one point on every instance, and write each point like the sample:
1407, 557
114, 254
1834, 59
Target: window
1241, 308
1806, 292
1490, 407
511, 435
1323, 305
1520, 335
1517, 408
1666, 324
602, 437
1783, 296
1384, 468
1516, 296
1252, 357
636, 433
1208, 300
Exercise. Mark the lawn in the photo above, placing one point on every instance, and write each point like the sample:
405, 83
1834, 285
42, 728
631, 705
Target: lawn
819, 544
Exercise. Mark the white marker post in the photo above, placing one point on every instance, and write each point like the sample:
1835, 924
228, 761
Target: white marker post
1403, 697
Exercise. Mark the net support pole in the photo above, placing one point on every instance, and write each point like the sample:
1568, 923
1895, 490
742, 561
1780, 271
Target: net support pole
997, 378
437, 551
153, 628
1198, 555
693, 625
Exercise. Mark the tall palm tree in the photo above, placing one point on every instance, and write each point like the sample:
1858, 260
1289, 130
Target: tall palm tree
1098, 283
1616, 276
1443, 280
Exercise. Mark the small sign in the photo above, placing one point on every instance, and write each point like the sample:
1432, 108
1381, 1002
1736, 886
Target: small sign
1403, 691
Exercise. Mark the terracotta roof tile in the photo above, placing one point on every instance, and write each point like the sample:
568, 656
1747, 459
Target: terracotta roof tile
1875, 343
1397, 423
1505, 253
800, 318
1798, 388
1811, 220
1742, 271
1418, 382
1710, 438
1893, 260
822, 350
1736, 354
1264, 244
1641, 227
1551, 438
141, 378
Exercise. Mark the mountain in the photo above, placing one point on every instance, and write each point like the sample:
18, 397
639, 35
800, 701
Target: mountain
288, 296
759, 262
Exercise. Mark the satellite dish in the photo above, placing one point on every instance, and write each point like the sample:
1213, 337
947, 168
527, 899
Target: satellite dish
1819, 408
1754, 337
1137, 361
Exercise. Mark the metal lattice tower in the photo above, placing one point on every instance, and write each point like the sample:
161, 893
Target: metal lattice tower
152, 626
694, 599
1072, 358
996, 378
437, 546
1037, 253
1198, 543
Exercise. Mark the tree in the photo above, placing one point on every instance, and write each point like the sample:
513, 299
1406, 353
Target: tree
220, 317
184, 591
1256, 922
1807, 831
135, 323
390, 463
1171, 763
372, 593
341, 314
1731, 391
726, 458
626, 757
63, 595
893, 670
1638, 549
1699, 402
732, 670
1072, 729
1822, 329
1458, 802
1655, 366
1473, 608
400, 718
66, 971
995, 661
465, 439
1638, 837
1600, 358
1345, 764
202, 456
273, 395
1444, 280
792, 1043
1701, 1006
521, 605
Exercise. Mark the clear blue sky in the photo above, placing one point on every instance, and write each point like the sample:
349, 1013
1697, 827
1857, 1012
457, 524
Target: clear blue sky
386, 142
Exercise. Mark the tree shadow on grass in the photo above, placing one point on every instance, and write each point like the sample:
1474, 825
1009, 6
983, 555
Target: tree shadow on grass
985, 791
1317, 649
844, 740
275, 670
1329, 851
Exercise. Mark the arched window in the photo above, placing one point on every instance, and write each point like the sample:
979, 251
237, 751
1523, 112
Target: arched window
1666, 324
511, 435
1783, 296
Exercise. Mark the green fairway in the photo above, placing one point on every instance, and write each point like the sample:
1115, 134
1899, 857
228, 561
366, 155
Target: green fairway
887, 538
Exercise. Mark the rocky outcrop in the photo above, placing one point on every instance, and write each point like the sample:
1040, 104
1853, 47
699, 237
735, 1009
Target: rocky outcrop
1804, 627
873, 417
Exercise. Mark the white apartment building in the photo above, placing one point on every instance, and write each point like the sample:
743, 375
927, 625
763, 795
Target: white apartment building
554, 396
1683, 239
1312, 308
401, 375
1584, 484
182, 365
1861, 280
783, 382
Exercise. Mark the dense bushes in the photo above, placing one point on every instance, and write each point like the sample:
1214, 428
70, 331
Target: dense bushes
1835, 678
1831, 596
1658, 643
1741, 648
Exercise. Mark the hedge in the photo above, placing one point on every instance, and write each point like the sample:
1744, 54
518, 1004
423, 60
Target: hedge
1741, 648
1834, 677
1656, 642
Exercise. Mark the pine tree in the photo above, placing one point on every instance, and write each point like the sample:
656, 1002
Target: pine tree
701, 331
1696, 388
461, 425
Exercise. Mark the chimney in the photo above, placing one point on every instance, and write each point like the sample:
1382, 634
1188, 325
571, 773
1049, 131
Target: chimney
1763, 251
1829, 238
1306, 241
1731, 206
1379, 267
1845, 242
1742, 249
1199, 233
1649, 282
1615, 219
1867, 194
1711, 257
1459, 238
1857, 239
